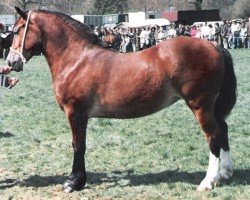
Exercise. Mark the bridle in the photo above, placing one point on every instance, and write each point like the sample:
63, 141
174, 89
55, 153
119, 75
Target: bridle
23, 41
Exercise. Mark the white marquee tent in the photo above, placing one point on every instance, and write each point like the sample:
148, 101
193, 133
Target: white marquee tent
144, 23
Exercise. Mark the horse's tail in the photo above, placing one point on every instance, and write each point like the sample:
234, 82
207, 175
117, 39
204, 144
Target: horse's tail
228, 91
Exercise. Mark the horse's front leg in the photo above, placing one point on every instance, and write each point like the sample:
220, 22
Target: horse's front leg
78, 124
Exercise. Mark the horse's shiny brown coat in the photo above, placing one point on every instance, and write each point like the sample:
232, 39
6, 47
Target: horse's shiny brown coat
91, 81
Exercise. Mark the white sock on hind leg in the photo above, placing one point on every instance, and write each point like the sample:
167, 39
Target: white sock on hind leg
226, 169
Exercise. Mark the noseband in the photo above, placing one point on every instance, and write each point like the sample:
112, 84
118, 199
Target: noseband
24, 36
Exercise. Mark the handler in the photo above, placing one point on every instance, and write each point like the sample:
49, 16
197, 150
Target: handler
6, 81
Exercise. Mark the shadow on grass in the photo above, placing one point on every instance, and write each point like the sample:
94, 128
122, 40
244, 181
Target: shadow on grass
33, 181
127, 178
6, 134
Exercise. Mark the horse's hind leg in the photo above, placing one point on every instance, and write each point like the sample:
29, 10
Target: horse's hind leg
216, 136
209, 125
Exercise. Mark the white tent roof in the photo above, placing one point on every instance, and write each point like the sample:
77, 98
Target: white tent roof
148, 22
158, 22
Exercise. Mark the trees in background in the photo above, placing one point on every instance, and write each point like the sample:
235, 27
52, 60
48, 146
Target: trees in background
6, 7
225, 7
196, 3
147, 5
241, 9
109, 6
229, 8
66, 6
24, 4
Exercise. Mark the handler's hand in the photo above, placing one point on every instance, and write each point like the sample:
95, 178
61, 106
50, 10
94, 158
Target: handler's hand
12, 81
5, 69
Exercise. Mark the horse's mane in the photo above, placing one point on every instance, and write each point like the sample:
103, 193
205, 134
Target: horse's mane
83, 30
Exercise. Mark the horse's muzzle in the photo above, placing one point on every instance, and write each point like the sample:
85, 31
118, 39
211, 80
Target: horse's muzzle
14, 60
17, 66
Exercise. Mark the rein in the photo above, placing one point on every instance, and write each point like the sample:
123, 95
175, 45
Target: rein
23, 41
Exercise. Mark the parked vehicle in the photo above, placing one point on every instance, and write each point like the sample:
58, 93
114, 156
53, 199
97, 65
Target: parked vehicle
8, 21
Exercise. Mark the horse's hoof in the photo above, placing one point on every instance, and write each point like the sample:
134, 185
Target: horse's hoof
204, 186
66, 184
225, 175
71, 185
203, 189
68, 189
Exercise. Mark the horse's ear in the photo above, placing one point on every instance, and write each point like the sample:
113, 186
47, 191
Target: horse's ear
21, 13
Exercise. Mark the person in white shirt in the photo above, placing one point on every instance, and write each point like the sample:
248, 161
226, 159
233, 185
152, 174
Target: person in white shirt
143, 37
161, 35
206, 31
172, 31
147, 37
243, 35
198, 32
236, 34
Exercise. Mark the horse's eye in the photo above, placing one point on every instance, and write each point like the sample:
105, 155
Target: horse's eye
16, 32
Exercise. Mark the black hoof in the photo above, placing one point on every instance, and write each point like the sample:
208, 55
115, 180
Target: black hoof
72, 184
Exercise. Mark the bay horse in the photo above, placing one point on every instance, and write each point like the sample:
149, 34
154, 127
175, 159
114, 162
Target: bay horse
91, 81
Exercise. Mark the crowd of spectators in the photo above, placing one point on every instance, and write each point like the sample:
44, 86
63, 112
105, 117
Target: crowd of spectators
229, 34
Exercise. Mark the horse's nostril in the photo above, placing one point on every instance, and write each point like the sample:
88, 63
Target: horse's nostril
8, 63
14, 64
17, 66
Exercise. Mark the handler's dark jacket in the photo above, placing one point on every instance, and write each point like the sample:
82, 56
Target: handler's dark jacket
3, 79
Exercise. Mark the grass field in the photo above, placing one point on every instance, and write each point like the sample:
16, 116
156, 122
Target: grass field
162, 156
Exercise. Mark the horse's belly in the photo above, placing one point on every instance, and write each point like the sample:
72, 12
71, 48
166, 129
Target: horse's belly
134, 109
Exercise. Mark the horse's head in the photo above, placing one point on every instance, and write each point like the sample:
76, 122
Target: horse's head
26, 42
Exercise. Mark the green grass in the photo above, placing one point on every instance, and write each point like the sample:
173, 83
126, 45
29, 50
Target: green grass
161, 156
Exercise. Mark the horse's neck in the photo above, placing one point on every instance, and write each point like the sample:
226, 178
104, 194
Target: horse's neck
62, 45
58, 44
